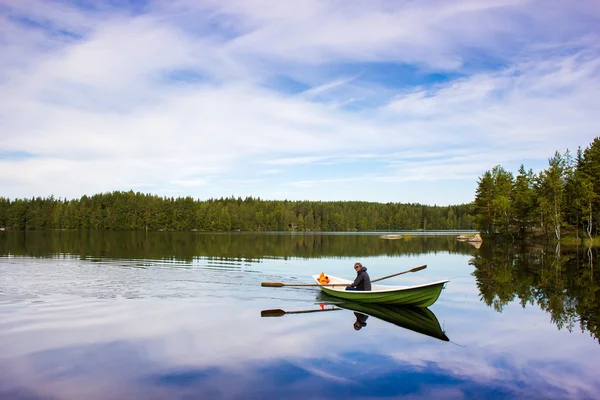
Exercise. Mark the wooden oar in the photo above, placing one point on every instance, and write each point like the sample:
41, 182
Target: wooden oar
277, 312
279, 284
400, 273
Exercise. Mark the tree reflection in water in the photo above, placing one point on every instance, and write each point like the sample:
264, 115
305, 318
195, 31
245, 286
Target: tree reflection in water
564, 283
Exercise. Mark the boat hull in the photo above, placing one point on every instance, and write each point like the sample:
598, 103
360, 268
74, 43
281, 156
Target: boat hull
420, 296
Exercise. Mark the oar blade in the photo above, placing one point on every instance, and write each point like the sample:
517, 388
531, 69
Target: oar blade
272, 313
272, 284
418, 268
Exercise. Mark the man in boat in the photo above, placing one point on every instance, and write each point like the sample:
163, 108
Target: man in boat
362, 281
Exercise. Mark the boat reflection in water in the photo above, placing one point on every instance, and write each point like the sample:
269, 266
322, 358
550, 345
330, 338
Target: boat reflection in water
417, 319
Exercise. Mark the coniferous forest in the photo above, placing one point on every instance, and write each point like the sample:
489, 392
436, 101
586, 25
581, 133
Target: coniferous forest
562, 199
137, 211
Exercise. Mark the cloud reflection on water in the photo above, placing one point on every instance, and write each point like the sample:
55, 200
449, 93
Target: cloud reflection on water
178, 349
70, 328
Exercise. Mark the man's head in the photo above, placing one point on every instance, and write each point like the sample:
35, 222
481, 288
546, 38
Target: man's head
357, 266
359, 325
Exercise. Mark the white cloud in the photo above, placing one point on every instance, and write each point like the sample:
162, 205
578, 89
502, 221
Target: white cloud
295, 160
305, 184
187, 95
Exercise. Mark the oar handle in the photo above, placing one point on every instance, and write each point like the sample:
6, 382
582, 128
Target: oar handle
311, 311
400, 273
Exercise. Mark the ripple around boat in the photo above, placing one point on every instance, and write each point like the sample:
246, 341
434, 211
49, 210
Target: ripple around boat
418, 319
418, 295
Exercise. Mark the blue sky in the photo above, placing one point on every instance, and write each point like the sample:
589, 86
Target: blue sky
389, 101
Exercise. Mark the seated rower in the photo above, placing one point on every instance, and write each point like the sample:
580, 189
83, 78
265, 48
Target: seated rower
362, 281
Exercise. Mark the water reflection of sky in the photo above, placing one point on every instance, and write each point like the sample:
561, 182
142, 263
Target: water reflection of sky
73, 329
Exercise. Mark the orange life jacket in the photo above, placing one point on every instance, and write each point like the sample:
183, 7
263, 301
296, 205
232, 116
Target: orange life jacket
323, 279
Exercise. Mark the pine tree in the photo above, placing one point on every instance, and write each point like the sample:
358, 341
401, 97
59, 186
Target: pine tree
523, 200
550, 193
484, 195
502, 209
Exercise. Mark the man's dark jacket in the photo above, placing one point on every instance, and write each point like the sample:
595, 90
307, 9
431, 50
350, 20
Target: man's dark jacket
362, 281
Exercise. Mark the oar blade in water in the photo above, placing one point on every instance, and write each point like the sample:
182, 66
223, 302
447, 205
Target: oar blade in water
272, 284
272, 313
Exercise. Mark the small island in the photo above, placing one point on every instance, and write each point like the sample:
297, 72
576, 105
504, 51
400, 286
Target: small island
391, 237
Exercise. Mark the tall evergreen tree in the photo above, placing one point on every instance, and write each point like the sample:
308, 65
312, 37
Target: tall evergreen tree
523, 200
484, 197
550, 193
502, 208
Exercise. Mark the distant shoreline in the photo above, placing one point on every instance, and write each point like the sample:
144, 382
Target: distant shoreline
400, 234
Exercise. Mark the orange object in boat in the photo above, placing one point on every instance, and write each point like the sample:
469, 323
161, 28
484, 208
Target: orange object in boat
323, 279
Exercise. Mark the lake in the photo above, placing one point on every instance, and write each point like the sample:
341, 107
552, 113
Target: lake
134, 315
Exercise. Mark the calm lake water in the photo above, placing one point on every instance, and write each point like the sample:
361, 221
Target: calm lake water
100, 315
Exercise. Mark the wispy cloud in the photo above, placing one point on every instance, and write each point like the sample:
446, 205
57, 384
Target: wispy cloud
108, 96
308, 183
295, 160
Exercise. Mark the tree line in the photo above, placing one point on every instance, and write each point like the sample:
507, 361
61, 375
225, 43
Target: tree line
562, 198
131, 211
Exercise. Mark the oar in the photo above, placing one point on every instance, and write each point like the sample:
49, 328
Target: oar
277, 312
279, 284
400, 273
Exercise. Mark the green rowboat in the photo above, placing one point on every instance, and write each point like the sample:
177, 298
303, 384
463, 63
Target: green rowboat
418, 295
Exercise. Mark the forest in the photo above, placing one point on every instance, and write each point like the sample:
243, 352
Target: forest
129, 211
563, 199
